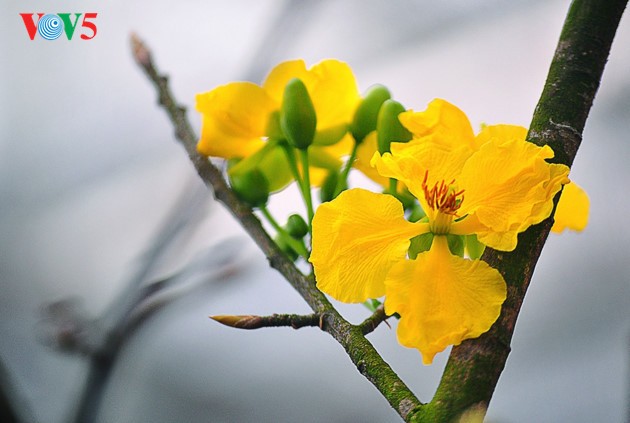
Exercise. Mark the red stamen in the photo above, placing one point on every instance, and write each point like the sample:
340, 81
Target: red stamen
441, 197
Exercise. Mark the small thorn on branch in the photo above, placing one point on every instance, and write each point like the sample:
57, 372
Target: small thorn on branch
296, 321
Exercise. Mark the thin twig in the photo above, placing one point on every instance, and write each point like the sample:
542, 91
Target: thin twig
372, 322
362, 353
296, 321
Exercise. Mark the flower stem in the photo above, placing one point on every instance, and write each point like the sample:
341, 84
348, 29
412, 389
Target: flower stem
392, 186
343, 178
306, 188
303, 182
292, 242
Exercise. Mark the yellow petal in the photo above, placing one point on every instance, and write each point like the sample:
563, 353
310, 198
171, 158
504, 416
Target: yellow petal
281, 74
508, 187
330, 83
341, 148
216, 143
334, 92
442, 299
234, 120
366, 150
356, 239
572, 211
504, 132
443, 122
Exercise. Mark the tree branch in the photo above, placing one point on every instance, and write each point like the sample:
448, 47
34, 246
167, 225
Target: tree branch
372, 322
474, 367
369, 363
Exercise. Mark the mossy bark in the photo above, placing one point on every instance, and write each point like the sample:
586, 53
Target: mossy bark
474, 367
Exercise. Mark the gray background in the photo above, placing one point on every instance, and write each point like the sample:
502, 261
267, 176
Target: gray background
89, 170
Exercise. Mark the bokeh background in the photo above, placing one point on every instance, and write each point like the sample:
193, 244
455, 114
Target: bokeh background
90, 174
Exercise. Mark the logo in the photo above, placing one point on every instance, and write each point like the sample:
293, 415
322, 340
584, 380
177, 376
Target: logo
50, 26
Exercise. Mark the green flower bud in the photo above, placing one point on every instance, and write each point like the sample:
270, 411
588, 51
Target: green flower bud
251, 187
297, 115
296, 226
329, 187
389, 129
366, 115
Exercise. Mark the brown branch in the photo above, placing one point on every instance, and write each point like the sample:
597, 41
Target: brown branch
474, 367
362, 353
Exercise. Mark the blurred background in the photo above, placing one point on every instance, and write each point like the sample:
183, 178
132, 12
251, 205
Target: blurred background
92, 180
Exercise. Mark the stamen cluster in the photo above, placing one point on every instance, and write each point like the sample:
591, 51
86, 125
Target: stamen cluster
442, 197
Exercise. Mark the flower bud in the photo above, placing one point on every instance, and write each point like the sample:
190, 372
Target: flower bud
329, 188
251, 187
366, 114
388, 127
296, 226
297, 115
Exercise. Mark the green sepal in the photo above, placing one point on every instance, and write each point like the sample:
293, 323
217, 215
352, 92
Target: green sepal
297, 115
330, 136
251, 187
417, 213
366, 115
456, 244
319, 157
406, 198
420, 244
252, 161
388, 127
271, 161
474, 248
329, 191
285, 247
296, 226
274, 129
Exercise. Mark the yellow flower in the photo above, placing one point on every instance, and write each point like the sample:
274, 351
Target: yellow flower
365, 151
494, 185
238, 118
572, 210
